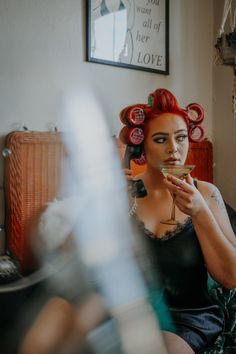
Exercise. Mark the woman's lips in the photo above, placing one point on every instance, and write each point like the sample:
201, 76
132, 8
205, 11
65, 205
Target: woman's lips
172, 161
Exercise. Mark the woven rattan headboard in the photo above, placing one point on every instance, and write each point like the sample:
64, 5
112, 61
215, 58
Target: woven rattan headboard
33, 171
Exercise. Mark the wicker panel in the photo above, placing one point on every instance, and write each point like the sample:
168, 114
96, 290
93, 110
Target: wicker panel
32, 178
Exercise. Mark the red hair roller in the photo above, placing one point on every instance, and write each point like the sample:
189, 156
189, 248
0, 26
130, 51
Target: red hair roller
123, 114
136, 116
197, 129
132, 115
197, 115
133, 136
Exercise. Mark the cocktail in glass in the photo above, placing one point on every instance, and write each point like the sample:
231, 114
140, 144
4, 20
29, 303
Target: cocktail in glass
181, 172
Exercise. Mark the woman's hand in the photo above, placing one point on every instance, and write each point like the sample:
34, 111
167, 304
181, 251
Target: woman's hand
187, 198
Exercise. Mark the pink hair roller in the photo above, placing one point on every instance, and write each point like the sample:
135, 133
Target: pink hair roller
196, 130
195, 113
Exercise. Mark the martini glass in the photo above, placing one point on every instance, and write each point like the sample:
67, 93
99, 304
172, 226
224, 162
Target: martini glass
181, 172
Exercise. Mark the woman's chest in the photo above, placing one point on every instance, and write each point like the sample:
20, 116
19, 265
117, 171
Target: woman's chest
176, 250
152, 211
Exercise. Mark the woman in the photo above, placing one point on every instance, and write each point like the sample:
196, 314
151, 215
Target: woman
202, 242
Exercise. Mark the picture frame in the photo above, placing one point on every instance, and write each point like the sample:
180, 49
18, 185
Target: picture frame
132, 34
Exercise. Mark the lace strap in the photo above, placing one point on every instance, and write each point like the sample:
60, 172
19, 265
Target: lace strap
133, 209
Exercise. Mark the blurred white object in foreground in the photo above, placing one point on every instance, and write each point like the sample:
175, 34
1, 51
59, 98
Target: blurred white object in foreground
57, 222
102, 232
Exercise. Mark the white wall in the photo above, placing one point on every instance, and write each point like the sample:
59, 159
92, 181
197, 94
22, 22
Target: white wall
42, 61
224, 124
42, 46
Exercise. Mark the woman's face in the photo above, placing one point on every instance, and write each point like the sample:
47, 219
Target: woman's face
166, 140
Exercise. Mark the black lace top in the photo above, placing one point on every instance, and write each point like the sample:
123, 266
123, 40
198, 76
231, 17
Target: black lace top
175, 264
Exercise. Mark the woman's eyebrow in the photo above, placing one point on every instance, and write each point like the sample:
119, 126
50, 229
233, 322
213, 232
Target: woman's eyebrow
166, 134
160, 133
181, 131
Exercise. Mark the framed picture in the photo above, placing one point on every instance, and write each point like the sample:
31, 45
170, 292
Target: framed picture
132, 34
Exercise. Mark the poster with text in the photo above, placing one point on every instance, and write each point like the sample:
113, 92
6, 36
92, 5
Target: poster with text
129, 33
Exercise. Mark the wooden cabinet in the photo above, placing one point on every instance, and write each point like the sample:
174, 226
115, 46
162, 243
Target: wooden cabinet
201, 155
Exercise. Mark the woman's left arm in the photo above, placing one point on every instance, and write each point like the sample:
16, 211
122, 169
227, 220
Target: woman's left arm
211, 222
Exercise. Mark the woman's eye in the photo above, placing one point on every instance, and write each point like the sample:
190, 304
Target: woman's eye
160, 140
181, 138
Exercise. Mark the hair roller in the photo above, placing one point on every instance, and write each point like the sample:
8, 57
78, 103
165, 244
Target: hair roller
141, 160
133, 115
195, 113
123, 114
196, 133
136, 116
133, 136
